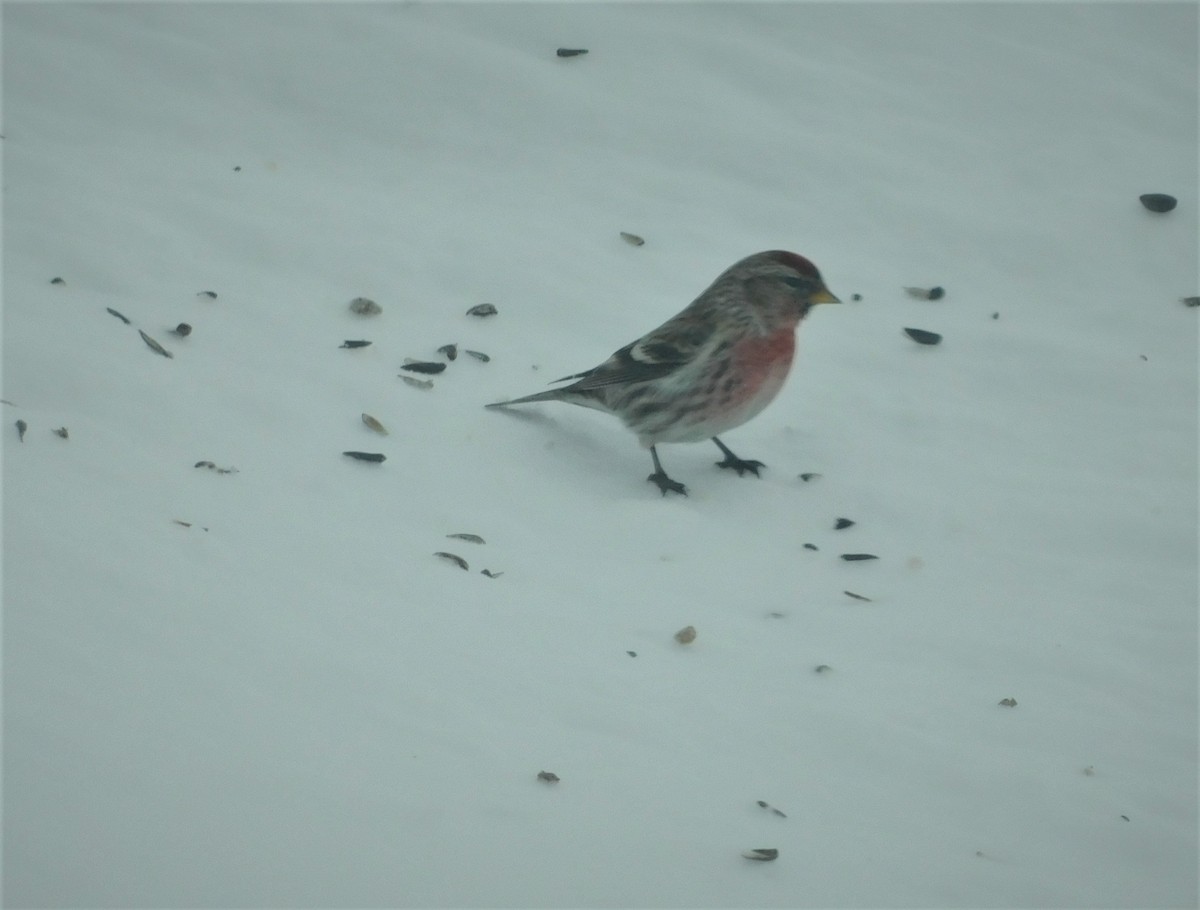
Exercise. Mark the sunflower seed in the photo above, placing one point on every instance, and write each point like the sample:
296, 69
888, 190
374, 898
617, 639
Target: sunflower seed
1008, 702
22, 426
810, 546
571, 51
1158, 202
57, 281
686, 635
482, 309
367, 456
354, 344
364, 306
858, 557
120, 316
632, 239
62, 431
489, 573
374, 424
470, 538
211, 295
182, 330
549, 777
806, 477
449, 351
822, 668
1190, 301
457, 560
479, 355
423, 366
762, 854
842, 523
920, 336
418, 383
856, 596
154, 345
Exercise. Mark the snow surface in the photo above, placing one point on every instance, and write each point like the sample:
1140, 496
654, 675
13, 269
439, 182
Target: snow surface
294, 703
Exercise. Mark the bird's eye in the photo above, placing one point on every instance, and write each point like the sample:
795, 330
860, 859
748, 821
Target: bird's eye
792, 281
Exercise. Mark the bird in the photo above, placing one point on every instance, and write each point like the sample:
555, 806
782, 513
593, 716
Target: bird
708, 369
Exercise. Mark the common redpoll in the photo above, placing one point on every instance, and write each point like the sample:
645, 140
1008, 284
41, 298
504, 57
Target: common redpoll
709, 368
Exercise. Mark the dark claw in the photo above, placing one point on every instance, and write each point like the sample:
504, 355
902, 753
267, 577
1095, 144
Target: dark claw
666, 484
741, 465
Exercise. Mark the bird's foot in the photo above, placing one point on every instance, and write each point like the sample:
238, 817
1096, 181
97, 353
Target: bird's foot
741, 465
666, 484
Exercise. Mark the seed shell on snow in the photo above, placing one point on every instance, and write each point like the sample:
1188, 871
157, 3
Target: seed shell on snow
375, 457
365, 306
857, 596
762, 854
182, 330
57, 281
842, 523
632, 239
809, 476
549, 777
571, 51
423, 366
418, 383
935, 293
22, 426
211, 295
1008, 702
449, 351
479, 355
858, 557
1190, 301
920, 336
154, 345
454, 558
374, 424
489, 573
62, 432
1158, 202
482, 309
470, 538
120, 316
354, 344
686, 635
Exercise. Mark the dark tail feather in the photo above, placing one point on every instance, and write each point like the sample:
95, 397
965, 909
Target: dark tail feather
552, 395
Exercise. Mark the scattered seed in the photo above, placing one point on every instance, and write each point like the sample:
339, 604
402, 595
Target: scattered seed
548, 776
996, 315
57, 281
418, 383
355, 344
470, 538
822, 668
858, 557
936, 293
776, 615
1125, 817
857, 596
762, 854
186, 524
479, 355
154, 345
920, 336
457, 560
237, 168
632, 239
449, 351
62, 431
765, 805
482, 309
490, 574
182, 330
374, 424
365, 306
571, 51
1008, 702
120, 316
211, 295
806, 477
856, 297
631, 653
423, 366
778, 812
1190, 301
842, 523
810, 546
924, 293
762, 803
213, 467
22, 426
686, 635
204, 464
1158, 202
367, 456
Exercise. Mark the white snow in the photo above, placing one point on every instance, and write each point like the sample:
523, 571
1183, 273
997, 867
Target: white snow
294, 703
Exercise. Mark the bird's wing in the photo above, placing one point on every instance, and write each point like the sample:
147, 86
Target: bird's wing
657, 354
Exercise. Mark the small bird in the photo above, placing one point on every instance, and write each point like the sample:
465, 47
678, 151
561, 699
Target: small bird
709, 368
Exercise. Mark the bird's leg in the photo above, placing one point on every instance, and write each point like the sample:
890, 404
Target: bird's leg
740, 465
659, 477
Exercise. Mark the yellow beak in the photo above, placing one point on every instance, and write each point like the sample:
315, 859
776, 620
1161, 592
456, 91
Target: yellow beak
823, 296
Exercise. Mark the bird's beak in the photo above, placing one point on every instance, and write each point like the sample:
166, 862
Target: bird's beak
823, 296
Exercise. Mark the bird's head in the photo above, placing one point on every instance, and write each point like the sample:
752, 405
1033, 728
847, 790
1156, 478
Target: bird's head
782, 286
